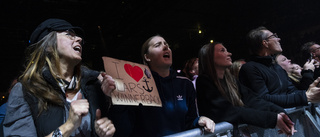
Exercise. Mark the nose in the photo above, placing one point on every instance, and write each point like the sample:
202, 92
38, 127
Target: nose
78, 39
166, 47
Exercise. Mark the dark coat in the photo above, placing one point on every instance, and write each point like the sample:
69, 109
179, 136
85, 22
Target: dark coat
213, 104
55, 116
270, 82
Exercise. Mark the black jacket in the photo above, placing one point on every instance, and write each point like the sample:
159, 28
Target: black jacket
305, 81
256, 111
270, 82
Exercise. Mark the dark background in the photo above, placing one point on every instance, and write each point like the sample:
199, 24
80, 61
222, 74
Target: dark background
118, 28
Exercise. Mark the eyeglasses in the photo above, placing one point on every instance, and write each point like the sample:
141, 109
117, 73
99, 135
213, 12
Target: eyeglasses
72, 35
273, 35
316, 49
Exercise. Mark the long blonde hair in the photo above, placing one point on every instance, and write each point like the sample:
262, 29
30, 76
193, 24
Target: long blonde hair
206, 66
44, 55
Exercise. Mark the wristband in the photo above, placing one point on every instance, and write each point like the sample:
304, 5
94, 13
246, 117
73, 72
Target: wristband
57, 133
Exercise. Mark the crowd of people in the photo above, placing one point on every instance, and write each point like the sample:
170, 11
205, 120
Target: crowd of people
57, 96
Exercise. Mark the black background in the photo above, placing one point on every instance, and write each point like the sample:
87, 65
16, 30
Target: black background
118, 28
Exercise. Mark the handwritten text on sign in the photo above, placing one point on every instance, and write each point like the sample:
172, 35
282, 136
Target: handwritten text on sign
134, 83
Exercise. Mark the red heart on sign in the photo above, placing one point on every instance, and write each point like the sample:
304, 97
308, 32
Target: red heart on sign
135, 72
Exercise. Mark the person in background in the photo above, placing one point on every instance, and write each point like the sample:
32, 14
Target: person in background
57, 96
300, 78
178, 112
267, 78
311, 50
222, 98
3, 107
191, 70
235, 67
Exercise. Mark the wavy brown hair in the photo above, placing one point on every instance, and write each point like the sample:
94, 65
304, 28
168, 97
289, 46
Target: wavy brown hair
44, 55
206, 66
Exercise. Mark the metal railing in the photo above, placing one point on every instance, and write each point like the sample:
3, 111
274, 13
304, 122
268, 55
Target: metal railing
222, 128
306, 123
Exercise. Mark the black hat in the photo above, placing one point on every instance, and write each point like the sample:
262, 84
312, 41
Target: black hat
50, 25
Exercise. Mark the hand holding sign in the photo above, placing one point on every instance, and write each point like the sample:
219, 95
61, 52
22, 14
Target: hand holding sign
132, 83
107, 84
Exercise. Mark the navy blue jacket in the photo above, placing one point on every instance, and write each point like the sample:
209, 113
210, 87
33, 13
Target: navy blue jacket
178, 111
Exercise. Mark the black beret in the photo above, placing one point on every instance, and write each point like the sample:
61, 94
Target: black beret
50, 25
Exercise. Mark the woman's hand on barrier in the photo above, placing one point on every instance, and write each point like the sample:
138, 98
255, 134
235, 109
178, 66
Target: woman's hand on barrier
313, 93
107, 84
207, 123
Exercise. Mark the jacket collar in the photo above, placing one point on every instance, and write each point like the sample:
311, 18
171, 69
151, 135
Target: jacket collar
171, 75
266, 60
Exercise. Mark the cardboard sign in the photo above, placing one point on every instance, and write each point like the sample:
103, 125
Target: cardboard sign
134, 83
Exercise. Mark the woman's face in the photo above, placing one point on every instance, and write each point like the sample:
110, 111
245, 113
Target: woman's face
222, 58
195, 67
69, 47
284, 62
296, 69
159, 54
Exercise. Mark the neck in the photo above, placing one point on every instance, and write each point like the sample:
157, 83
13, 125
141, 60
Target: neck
67, 71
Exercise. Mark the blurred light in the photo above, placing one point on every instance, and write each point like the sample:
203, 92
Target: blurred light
200, 31
3, 97
211, 41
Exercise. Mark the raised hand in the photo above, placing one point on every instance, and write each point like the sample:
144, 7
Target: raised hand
313, 93
78, 109
309, 65
107, 84
103, 126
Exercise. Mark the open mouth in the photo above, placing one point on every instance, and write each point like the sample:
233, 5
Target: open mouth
77, 48
166, 55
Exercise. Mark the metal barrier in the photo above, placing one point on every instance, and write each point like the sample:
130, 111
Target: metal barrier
222, 128
307, 124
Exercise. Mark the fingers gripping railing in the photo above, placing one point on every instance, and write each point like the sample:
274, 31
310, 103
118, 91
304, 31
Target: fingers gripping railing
223, 128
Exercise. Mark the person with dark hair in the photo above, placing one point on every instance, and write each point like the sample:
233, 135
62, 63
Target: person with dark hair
311, 50
267, 78
222, 98
178, 112
191, 70
57, 96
